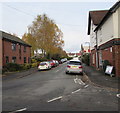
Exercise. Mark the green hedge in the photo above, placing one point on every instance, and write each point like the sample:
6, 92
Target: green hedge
69, 58
12, 67
35, 64
86, 59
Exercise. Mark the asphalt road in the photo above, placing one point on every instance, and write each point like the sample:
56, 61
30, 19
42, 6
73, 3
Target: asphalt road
53, 90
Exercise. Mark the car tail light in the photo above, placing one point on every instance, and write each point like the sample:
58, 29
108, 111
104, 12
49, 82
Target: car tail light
68, 66
80, 67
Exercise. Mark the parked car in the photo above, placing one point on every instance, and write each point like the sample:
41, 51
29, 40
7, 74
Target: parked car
60, 62
44, 66
52, 63
74, 66
56, 62
63, 60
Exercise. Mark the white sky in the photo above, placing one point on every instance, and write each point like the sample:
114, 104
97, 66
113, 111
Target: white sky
71, 17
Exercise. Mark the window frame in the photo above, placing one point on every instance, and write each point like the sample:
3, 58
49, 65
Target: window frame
14, 59
7, 59
25, 60
13, 46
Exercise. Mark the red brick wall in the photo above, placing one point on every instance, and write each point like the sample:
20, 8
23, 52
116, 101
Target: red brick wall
112, 54
107, 54
0, 52
7, 48
117, 60
93, 53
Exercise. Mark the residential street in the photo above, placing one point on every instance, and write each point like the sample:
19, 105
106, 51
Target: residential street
53, 90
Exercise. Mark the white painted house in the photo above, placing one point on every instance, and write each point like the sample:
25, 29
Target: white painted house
104, 31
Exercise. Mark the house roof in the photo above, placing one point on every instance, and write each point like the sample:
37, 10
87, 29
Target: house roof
12, 38
109, 13
96, 17
71, 53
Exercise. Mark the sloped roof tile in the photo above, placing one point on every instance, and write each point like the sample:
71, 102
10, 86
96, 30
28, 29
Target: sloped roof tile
12, 38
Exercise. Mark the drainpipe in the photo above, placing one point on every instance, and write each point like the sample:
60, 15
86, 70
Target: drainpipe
97, 60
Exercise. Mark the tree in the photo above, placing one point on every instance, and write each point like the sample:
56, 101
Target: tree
28, 38
44, 35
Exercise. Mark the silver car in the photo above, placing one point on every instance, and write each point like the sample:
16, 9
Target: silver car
74, 66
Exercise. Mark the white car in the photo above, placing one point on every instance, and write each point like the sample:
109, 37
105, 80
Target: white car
44, 66
74, 66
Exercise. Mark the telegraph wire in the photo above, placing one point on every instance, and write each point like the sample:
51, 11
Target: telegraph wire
34, 16
19, 10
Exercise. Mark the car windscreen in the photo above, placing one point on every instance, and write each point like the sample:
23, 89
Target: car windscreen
74, 63
42, 64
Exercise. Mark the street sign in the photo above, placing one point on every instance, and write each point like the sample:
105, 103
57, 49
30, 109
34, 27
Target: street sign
109, 69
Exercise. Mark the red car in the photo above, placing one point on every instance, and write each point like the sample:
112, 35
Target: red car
52, 63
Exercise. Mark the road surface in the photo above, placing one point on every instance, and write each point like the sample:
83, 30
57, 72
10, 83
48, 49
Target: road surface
53, 90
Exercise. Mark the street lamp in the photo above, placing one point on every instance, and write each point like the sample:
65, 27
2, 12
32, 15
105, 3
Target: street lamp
89, 45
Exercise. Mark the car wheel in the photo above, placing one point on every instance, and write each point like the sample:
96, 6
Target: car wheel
81, 73
66, 72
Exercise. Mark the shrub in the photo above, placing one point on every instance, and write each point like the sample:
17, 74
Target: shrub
26, 66
34, 64
86, 59
33, 60
16, 67
13, 67
69, 58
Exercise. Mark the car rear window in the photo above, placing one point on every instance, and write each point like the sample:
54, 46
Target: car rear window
42, 64
74, 63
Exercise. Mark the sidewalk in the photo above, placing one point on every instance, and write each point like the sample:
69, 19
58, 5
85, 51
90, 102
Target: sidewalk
99, 78
12, 75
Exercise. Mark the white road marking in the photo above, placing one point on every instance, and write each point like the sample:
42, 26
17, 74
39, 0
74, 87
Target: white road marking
76, 91
86, 86
54, 99
18, 110
75, 80
81, 82
118, 95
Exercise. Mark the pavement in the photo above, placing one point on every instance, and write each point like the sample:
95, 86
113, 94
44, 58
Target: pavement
12, 75
99, 78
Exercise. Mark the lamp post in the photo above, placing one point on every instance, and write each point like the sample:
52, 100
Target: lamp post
89, 45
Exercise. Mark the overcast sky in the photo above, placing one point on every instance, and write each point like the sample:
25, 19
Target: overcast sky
71, 18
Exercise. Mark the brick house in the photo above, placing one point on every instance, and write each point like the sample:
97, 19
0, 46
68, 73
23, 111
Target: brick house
104, 31
73, 54
13, 49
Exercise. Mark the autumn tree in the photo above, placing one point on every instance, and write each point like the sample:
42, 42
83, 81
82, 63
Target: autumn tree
28, 38
44, 35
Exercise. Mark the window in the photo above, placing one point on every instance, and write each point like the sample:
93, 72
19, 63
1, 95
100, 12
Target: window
13, 46
75, 63
111, 49
20, 57
100, 34
24, 48
7, 59
24, 59
29, 60
19, 48
13, 59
